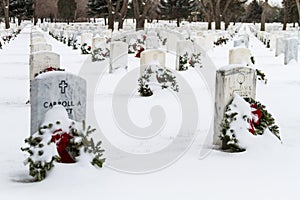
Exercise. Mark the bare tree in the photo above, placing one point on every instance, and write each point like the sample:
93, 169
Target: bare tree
5, 4
265, 6
140, 10
116, 9
298, 8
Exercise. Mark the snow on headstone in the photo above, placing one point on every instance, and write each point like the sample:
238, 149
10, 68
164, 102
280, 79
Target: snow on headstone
35, 40
240, 56
152, 57
152, 42
57, 88
280, 46
290, 50
184, 47
42, 60
118, 56
229, 80
86, 38
40, 47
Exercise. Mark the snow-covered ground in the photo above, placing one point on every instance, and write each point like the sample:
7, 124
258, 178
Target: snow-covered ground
268, 170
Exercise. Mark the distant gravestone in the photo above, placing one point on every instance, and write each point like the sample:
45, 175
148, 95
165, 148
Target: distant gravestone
42, 60
184, 47
35, 40
291, 50
152, 57
86, 38
100, 50
40, 47
118, 56
152, 42
279, 46
57, 88
240, 56
231, 79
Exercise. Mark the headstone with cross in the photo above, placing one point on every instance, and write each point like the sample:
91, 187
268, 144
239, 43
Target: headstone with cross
231, 79
57, 88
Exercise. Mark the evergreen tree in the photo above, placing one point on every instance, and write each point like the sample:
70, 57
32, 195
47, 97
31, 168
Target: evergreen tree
20, 9
181, 9
97, 8
66, 9
253, 12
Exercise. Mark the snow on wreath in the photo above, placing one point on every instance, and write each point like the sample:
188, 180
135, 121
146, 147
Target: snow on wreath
60, 139
244, 120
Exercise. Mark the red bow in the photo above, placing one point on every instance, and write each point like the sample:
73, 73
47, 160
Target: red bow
139, 52
62, 140
256, 115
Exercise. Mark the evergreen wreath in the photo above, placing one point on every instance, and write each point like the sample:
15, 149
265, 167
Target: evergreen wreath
263, 120
186, 61
85, 49
163, 76
220, 41
183, 62
261, 76
48, 69
50, 145
100, 54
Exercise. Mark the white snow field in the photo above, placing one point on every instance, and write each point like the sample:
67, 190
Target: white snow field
267, 170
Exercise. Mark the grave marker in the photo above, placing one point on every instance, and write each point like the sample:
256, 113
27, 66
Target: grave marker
57, 88
231, 79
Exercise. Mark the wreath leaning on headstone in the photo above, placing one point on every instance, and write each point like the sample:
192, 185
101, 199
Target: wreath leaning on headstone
54, 144
237, 121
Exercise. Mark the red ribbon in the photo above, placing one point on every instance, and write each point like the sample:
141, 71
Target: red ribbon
62, 140
139, 52
257, 114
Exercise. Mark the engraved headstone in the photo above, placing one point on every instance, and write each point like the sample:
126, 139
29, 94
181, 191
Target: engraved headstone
152, 57
231, 79
57, 88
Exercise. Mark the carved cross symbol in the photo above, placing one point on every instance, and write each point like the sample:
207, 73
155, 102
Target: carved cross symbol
63, 86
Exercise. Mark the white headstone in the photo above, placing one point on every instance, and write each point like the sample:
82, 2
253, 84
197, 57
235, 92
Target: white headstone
86, 38
231, 79
35, 40
118, 56
240, 56
100, 49
280, 46
40, 47
57, 88
41, 60
183, 47
152, 42
152, 57
291, 50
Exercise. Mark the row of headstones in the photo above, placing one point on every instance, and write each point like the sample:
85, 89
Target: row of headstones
118, 47
6, 35
282, 42
51, 87
41, 55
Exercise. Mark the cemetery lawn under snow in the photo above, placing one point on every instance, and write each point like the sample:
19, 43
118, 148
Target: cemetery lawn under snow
267, 170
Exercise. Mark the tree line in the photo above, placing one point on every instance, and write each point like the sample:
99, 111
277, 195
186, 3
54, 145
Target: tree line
257, 11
